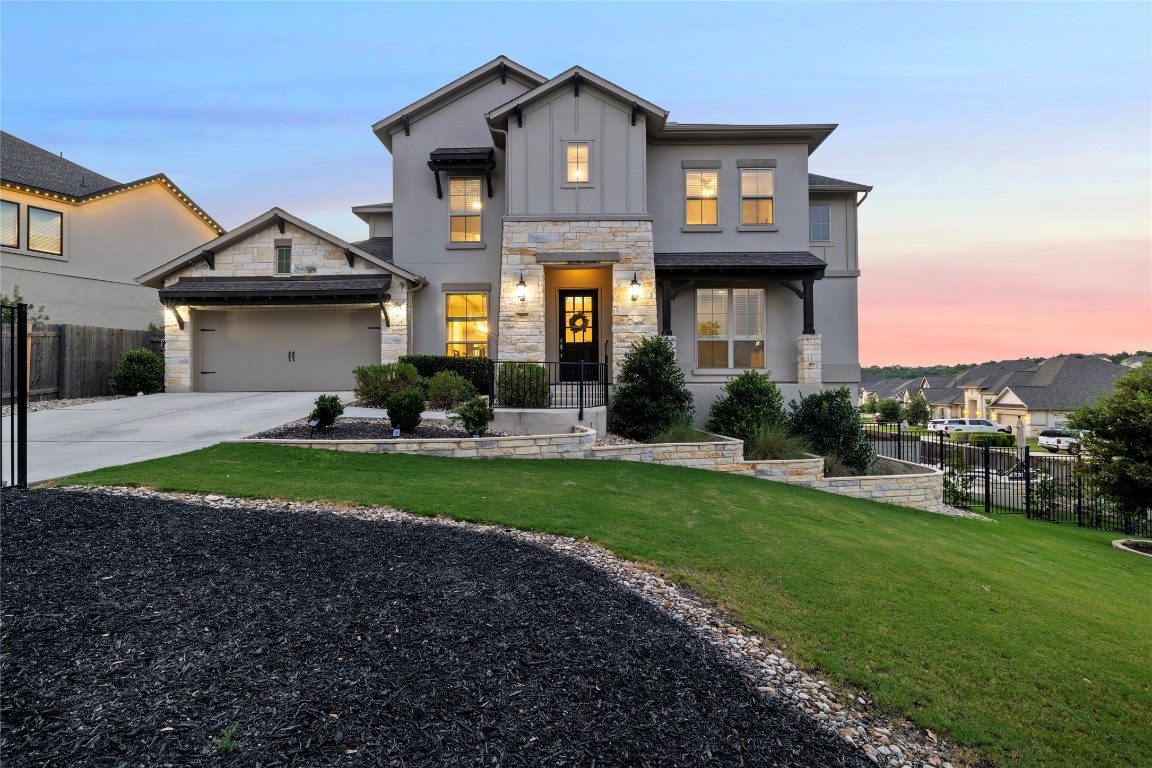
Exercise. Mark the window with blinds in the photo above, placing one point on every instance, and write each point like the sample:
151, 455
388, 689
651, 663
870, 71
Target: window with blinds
821, 218
757, 189
9, 224
701, 194
467, 324
465, 206
730, 328
45, 231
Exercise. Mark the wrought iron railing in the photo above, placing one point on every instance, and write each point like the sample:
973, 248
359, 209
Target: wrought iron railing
14, 372
548, 385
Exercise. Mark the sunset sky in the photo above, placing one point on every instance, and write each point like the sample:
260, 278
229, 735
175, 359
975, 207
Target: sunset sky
1010, 144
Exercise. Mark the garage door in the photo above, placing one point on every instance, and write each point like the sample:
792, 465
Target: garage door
269, 350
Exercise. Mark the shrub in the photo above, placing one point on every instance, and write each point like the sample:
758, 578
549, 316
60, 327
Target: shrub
651, 394
831, 425
522, 385
871, 404
405, 407
474, 370
474, 415
139, 370
750, 401
328, 408
773, 442
447, 389
994, 439
957, 481
680, 431
375, 384
918, 411
889, 410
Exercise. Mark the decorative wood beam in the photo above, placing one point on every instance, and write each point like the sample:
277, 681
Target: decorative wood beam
350, 256
576, 82
384, 312
809, 309
407, 127
635, 109
210, 258
519, 116
488, 178
503, 73
278, 220
439, 191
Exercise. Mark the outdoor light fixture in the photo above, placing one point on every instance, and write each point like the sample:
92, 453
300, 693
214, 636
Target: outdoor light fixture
521, 289
635, 287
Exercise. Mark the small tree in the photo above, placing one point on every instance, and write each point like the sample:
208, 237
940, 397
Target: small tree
750, 401
871, 404
889, 410
1117, 450
651, 394
139, 370
831, 425
35, 314
957, 480
918, 411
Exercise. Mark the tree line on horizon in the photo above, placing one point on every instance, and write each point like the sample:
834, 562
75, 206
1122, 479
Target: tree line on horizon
875, 372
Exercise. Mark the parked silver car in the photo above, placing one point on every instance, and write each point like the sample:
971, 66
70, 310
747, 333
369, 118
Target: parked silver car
952, 426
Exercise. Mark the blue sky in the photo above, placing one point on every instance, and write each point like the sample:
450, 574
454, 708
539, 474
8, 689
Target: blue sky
1010, 144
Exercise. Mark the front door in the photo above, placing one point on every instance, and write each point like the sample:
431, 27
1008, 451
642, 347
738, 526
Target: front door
579, 333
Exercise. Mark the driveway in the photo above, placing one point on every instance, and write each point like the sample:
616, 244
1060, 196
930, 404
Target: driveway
65, 441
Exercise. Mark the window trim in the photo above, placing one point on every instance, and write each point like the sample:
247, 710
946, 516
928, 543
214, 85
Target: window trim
280, 248
569, 145
487, 320
811, 224
60, 217
757, 224
713, 226
730, 339
479, 215
15, 244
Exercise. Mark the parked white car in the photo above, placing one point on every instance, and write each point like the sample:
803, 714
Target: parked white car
1056, 440
952, 426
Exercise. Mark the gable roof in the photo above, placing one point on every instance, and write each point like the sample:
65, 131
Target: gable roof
577, 76
25, 167
1064, 383
827, 183
501, 66
155, 278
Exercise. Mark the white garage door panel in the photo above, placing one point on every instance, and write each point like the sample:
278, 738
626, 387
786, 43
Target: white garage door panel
285, 350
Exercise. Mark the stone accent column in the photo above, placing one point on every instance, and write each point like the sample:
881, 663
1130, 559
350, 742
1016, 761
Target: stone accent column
177, 352
394, 339
808, 370
631, 320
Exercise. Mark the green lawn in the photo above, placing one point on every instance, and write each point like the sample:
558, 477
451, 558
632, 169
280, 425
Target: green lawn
1029, 643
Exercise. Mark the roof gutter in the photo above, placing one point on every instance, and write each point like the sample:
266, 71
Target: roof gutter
860, 202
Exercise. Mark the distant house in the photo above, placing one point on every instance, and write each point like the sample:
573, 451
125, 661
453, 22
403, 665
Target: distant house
1045, 395
73, 240
1135, 361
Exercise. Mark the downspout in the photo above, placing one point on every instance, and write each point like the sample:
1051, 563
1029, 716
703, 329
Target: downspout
860, 202
412, 288
494, 129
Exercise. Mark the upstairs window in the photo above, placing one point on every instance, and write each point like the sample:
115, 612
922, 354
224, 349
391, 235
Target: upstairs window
577, 162
9, 224
821, 218
464, 199
283, 260
700, 198
730, 328
757, 188
467, 325
45, 231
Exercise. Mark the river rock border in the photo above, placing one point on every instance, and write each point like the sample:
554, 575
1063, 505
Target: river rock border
921, 488
885, 742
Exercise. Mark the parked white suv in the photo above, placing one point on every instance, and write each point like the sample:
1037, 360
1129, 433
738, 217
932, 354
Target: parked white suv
952, 426
1056, 440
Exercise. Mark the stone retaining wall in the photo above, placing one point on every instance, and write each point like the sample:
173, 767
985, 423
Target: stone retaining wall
574, 445
720, 455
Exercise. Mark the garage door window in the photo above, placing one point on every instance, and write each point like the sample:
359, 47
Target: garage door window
467, 331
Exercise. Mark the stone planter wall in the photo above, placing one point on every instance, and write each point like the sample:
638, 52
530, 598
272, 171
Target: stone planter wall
922, 488
805, 472
719, 455
574, 445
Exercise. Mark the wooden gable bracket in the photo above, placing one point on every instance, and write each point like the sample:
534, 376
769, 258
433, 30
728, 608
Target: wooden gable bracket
488, 178
407, 127
669, 296
279, 222
576, 82
439, 191
210, 258
350, 256
384, 311
503, 73
805, 295
170, 305
519, 116
635, 109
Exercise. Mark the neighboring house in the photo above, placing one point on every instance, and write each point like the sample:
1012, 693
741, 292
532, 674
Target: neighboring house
563, 219
1134, 362
1045, 395
73, 240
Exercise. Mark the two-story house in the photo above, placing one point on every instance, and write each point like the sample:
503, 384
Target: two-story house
73, 240
563, 219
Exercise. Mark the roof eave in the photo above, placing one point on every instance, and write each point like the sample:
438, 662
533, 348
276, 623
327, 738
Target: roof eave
811, 134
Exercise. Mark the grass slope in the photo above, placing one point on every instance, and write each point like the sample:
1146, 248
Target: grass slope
1028, 642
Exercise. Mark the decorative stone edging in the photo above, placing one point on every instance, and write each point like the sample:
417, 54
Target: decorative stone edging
1119, 544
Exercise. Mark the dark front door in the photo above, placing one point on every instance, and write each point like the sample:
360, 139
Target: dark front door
579, 333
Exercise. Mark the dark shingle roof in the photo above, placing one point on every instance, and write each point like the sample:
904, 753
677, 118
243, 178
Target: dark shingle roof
294, 290
769, 259
380, 247
827, 182
1064, 383
28, 164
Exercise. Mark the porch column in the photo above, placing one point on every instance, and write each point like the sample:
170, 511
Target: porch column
808, 370
394, 330
809, 313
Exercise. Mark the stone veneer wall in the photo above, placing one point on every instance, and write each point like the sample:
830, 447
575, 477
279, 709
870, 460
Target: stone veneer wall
719, 456
808, 364
522, 326
573, 445
255, 256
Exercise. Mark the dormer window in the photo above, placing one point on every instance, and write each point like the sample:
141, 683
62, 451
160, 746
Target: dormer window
577, 162
466, 207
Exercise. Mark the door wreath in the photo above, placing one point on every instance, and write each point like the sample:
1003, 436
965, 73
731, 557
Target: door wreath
579, 322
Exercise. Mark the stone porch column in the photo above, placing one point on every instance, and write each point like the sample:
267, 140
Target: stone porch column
394, 333
808, 370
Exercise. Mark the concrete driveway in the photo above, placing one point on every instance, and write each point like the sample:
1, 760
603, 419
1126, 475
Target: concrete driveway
65, 441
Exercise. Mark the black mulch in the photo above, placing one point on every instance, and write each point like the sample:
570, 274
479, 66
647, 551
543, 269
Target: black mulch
364, 429
135, 630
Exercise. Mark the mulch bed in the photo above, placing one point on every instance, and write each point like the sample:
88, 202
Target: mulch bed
135, 630
1144, 547
364, 429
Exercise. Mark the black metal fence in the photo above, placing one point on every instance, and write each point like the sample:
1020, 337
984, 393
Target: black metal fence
1008, 480
14, 374
548, 385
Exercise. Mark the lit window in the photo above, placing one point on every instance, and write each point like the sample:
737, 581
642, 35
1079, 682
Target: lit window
730, 328
467, 329
45, 231
284, 260
700, 197
9, 224
757, 186
577, 162
464, 198
821, 216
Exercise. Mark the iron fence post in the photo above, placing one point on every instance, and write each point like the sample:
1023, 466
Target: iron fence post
987, 477
1079, 495
491, 383
1027, 482
580, 392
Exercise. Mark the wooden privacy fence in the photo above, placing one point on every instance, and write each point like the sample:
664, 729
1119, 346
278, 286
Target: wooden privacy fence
66, 361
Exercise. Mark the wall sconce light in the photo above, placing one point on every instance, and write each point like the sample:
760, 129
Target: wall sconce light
521, 289
635, 287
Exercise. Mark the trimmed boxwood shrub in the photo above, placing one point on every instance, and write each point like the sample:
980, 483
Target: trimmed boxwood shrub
328, 408
376, 383
831, 425
474, 416
447, 389
994, 439
522, 385
139, 370
650, 395
750, 401
475, 370
405, 407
